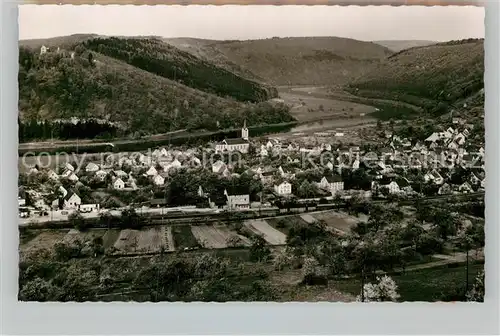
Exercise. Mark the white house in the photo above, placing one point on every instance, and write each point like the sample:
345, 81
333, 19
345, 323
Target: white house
89, 207
218, 167
158, 180
72, 177
332, 184
118, 184
68, 166
72, 201
465, 188
152, 171
434, 176
393, 187
283, 189
91, 167
237, 201
43, 50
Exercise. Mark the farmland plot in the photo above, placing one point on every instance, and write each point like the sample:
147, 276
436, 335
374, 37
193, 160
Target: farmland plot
44, 240
337, 221
169, 238
109, 238
270, 234
74, 235
308, 218
217, 236
150, 240
127, 242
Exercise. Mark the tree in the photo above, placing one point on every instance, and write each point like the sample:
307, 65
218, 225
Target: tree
77, 221
259, 251
384, 290
477, 292
37, 290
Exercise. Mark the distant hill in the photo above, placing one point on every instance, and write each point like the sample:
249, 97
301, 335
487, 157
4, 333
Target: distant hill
293, 60
398, 45
143, 84
436, 78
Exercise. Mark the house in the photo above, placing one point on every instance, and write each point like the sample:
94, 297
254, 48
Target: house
392, 187
465, 188
62, 191
43, 50
331, 183
264, 152
67, 173
238, 144
120, 174
101, 174
285, 173
283, 189
218, 167
89, 208
73, 178
91, 167
68, 166
118, 184
403, 184
237, 200
21, 201
445, 189
52, 175
158, 180
267, 176
474, 180
434, 176
71, 201
152, 171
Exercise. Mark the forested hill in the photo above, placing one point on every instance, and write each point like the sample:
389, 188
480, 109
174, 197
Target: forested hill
438, 77
133, 90
165, 60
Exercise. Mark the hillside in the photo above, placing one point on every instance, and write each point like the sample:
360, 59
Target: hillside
398, 45
92, 85
294, 60
436, 77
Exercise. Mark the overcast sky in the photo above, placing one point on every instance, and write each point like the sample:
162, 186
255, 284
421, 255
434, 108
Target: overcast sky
252, 22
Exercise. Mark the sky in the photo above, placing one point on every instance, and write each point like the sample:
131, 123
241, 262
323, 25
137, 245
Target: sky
367, 23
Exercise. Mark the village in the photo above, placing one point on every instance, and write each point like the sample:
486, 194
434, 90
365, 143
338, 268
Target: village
243, 174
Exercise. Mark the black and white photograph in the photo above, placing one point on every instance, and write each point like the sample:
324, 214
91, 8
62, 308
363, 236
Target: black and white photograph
251, 153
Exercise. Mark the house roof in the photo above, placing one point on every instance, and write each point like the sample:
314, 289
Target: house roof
69, 195
333, 178
236, 141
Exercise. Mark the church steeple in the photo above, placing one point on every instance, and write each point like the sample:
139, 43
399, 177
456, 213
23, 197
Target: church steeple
244, 130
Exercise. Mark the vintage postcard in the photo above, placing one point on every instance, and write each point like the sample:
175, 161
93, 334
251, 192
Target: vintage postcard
251, 153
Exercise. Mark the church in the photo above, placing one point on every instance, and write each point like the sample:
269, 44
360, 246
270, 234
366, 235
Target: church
238, 144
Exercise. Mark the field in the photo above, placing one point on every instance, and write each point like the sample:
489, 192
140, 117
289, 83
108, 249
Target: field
109, 238
308, 218
151, 240
311, 103
337, 221
284, 224
431, 284
271, 235
217, 236
74, 235
45, 240
184, 238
